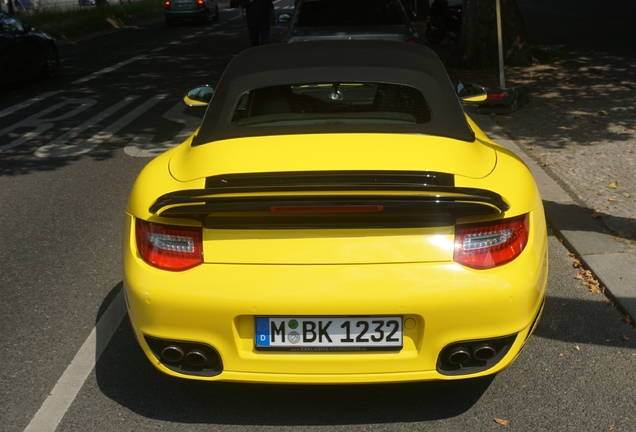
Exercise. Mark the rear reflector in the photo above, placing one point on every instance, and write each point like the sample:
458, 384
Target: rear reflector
490, 244
169, 247
327, 209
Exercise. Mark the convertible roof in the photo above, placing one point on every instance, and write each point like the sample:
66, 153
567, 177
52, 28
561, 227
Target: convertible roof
392, 62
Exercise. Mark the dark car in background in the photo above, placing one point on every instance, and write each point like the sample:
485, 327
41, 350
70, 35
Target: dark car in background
348, 20
201, 10
25, 52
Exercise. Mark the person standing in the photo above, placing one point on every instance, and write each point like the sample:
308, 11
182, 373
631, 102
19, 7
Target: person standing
260, 15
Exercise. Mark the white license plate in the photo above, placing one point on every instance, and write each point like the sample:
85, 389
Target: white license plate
329, 333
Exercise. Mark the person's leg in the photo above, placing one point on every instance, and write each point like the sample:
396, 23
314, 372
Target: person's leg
264, 33
254, 35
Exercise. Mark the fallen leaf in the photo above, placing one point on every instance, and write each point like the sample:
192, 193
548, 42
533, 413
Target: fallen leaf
625, 337
595, 182
546, 164
626, 318
626, 195
602, 113
612, 200
576, 263
576, 347
595, 215
501, 421
613, 185
560, 354
611, 427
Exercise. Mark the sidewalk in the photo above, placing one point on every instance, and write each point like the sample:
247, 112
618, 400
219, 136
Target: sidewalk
578, 136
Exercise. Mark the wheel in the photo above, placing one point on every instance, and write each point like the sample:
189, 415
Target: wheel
51, 62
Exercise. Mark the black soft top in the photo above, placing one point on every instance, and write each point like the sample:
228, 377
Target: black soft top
390, 62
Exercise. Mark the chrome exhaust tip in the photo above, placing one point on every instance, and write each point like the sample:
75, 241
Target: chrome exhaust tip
459, 355
196, 358
172, 353
484, 352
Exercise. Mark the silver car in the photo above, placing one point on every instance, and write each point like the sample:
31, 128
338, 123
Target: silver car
201, 10
348, 20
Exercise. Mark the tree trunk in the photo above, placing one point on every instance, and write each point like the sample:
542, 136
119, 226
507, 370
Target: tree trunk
477, 47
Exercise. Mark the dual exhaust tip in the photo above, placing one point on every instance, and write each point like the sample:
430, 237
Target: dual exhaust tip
461, 354
190, 358
175, 354
467, 357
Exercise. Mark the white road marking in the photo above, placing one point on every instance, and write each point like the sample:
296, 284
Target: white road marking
26, 103
108, 69
142, 146
57, 148
43, 124
68, 386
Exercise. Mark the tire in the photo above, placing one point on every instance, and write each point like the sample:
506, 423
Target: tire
51, 62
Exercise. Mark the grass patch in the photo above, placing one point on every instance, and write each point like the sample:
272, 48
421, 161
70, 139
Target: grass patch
79, 21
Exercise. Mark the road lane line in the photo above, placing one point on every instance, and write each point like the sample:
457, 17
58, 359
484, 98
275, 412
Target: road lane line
54, 150
108, 69
68, 386
26, 103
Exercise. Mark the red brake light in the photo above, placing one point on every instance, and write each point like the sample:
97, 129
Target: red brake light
491, 244
496, 96
200, 4
327, 209
169, 247
167, 5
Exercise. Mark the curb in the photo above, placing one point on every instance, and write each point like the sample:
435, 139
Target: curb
596, 250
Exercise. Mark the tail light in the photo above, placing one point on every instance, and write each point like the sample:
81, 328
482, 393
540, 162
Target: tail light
167, 5
200, 4
169, 247
413, 40
496, 96
491, 244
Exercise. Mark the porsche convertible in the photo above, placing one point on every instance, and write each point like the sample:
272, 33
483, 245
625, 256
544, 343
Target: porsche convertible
336, 218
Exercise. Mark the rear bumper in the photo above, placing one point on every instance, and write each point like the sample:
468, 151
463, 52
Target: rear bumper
445, 303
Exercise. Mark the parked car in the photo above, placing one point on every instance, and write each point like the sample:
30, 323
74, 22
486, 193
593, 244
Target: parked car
202, 10
25, 52
348, 20
335, 219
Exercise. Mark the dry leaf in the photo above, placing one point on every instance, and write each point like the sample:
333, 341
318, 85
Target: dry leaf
625, 338
626, 318
602, 113
611, 427
501, 421
560, 354
546, 164
576, 263
595, 215
576, 347
612, 200
626, 195
613, 185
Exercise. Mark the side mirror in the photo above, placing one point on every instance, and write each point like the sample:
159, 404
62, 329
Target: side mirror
471, 93
284, 18
200, 96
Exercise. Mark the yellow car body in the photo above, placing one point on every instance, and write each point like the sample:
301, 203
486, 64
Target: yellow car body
402, 277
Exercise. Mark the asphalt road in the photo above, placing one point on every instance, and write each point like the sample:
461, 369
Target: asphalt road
70, 150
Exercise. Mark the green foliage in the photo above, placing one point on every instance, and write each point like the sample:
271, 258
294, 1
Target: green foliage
77, 21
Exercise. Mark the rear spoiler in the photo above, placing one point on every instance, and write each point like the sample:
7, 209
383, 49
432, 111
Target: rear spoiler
329, 200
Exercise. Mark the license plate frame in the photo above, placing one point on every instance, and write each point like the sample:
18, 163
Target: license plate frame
325, 333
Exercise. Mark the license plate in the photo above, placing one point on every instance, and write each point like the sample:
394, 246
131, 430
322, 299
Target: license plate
329, 333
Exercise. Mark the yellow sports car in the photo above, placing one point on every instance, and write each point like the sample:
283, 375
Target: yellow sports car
336, 218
